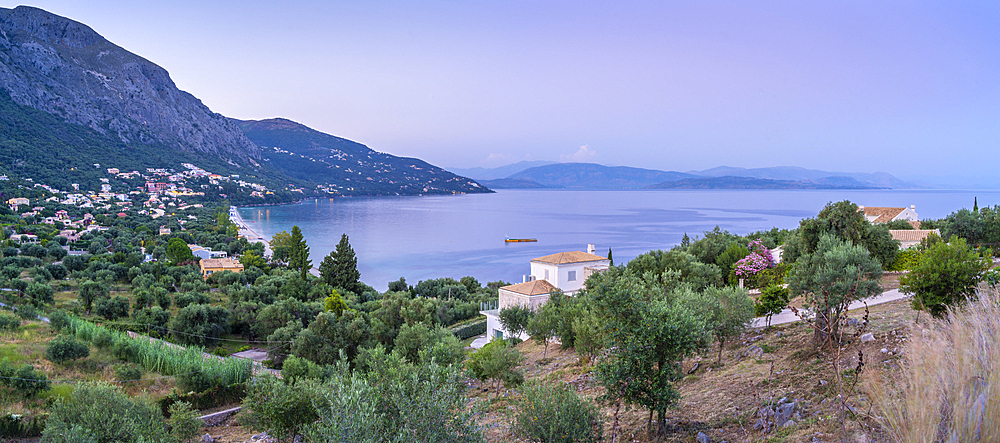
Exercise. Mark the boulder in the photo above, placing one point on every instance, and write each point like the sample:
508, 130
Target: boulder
702, 438
867, 337
753, 351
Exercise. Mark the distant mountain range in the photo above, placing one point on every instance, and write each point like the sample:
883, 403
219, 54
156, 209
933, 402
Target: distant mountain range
594, 176
73, 102
346, 167
730, 182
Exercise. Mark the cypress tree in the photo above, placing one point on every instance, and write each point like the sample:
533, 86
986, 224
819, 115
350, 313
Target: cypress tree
298, 256
340, 268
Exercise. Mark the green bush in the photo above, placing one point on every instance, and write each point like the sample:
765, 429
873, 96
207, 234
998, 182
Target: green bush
772, 276
65, 348
59, 319
29, 382
273, 404
103, 413
103, 339
184, 422
773, 299
296, 368
128, 372
470, 330
905, 260
9, 322
27, 312
556, 414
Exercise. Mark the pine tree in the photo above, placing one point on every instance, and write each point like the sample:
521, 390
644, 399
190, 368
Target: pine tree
610, 258
298, 256
340, 268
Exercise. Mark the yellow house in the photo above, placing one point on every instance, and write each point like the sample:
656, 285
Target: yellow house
210, 266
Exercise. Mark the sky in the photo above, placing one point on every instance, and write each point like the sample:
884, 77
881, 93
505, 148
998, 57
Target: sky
905, 87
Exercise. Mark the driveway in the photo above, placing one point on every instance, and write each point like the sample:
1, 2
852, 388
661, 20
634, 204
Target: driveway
787, 316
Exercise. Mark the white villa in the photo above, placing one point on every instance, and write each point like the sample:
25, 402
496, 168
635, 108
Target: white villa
565, 271
885, 215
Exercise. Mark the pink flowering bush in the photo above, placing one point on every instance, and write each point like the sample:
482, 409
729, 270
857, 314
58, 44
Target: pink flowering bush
758, 260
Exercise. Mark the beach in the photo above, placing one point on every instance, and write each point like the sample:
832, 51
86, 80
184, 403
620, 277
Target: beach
247, 232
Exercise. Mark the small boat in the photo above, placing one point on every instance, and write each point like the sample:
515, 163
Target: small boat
520, 240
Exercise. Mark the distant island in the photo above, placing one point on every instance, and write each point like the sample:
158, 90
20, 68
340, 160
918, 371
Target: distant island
529, 175
729, 182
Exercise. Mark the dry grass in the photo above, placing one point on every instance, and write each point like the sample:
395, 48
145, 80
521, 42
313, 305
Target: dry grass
949, 386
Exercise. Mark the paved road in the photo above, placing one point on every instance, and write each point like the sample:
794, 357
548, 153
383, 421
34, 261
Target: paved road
787, 316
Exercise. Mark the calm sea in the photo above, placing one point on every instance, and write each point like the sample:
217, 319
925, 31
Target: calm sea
452, 236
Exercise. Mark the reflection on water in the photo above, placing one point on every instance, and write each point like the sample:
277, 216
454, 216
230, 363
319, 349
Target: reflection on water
452, 236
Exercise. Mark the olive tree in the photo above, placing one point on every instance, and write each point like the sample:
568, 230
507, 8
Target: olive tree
832, 277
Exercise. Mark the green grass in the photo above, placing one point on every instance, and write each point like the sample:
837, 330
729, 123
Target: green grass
12, 352
57, 392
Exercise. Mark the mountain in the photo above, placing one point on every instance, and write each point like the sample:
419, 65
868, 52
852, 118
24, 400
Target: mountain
876, 179
63, 67
74, 103
594, 176
480, 173
729, 182
512, 183
345, 167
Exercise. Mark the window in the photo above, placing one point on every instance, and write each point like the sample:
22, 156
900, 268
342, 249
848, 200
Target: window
572, 276
498, 334
546, 274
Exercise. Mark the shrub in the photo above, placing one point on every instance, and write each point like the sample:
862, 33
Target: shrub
27, 312
296, 368
944, 275
127, 373
556, 414
496, 361
9, 322
65, 348
29, 382
184, 422
905, 260
273, 404
470, 330
773, 299
59, 319
103, 413
102, 339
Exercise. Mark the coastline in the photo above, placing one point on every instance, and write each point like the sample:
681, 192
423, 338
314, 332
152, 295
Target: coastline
246, 232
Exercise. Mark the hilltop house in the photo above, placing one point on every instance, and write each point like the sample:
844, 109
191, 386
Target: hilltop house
880, 215
564, 271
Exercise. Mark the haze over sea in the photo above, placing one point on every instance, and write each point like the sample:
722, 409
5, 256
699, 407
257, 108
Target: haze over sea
420, 238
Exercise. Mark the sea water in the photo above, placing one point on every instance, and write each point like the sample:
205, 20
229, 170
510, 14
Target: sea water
426, 237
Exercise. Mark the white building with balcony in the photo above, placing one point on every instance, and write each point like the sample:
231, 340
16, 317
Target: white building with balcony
564, 271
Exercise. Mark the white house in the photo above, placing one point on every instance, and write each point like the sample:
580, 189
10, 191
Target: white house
204, 253
565, 271
885, 215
